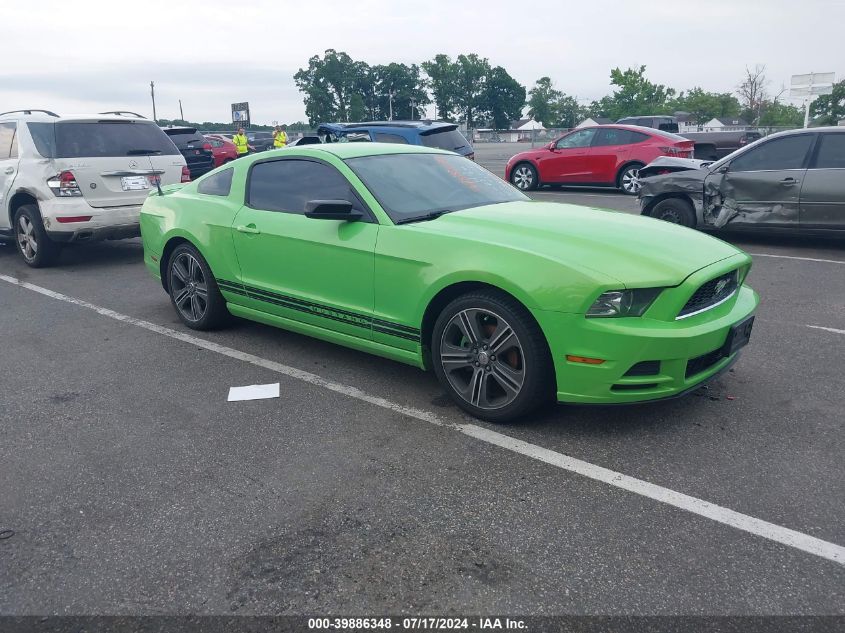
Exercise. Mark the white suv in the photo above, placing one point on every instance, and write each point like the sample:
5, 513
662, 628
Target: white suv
78, 178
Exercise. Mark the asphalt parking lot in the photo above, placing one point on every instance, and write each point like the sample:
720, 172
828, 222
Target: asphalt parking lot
132, 486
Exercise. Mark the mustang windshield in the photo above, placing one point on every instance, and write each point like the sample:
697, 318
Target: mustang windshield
422, 186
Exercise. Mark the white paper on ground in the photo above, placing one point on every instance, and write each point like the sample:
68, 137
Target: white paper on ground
253, 392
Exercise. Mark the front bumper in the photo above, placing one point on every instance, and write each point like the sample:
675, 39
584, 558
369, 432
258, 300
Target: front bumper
684, 353
106, 223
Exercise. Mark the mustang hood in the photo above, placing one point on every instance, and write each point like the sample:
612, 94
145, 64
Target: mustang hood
637, 251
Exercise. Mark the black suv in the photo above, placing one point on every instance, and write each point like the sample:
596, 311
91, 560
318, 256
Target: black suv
194, 147
260, 141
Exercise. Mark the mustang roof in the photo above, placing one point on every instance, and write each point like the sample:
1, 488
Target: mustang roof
356, 150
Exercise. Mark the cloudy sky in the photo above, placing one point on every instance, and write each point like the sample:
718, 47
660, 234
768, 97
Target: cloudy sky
92, 55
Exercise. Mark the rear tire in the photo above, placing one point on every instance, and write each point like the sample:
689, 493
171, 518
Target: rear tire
676, 211
491, 356
628, 180
193, 290
34, 245
524, 177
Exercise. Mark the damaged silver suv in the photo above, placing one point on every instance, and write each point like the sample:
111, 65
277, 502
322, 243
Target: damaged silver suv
791, 181
78, 179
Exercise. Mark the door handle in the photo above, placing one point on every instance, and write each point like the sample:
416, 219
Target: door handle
250, 228
9, 170
788, 182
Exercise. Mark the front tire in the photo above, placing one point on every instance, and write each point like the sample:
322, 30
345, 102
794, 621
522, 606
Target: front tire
629, 179
524, 177
491, 356
676, 211
34, 245
193, 290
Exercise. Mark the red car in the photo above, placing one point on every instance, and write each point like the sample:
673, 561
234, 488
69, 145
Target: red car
604, 155
223, 149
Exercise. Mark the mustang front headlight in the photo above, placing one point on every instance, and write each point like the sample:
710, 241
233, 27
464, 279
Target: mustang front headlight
621, 303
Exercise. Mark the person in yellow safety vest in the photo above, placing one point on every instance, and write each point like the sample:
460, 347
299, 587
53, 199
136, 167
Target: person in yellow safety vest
241, 143
280, 138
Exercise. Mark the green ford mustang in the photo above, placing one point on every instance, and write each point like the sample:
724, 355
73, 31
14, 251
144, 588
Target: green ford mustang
424, 257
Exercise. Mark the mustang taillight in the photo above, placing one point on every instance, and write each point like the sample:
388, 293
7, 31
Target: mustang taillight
186, 175
64, 185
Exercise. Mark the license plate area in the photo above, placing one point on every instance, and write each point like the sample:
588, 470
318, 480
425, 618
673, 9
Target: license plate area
134, 183
738, 336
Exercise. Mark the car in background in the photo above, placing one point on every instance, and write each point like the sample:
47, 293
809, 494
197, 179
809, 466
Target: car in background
716, 145
426, 258
602, 155
259, 141
436, 134
194, 147
78, 178
791, 181
222, 149
658, 122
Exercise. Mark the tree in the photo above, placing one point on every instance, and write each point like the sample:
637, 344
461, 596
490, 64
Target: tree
634, 95
504, 98
829, 109
442, 78
406, 86
471, 73
542, 101
703, 106
777, 114
569, 112
328, 85
752, 92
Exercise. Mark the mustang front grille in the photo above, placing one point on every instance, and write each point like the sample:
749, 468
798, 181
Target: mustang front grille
711, 294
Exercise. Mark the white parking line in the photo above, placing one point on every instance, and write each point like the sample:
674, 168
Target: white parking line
726, 516
827, 329
805, 259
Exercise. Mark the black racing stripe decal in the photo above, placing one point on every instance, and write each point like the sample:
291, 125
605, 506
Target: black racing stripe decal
334, 314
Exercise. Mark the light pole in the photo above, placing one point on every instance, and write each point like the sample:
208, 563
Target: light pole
413, 107
390, 95
153, 95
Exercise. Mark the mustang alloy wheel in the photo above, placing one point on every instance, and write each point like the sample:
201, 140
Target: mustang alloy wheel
193, 290
489, 353
524, 177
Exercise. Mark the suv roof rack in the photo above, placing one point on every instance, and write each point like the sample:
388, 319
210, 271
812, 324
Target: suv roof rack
124, 112
47, 112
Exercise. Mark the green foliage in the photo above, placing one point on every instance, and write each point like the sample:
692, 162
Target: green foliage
504, 98
442, 75
542, 99
777, 114
328, 84
829, 109
209, 126
703, 106
634, 94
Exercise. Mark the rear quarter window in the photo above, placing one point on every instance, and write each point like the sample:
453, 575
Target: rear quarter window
44, 137
219, 184
384, 137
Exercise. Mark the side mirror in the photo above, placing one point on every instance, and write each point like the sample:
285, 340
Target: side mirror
551, 146
331, 210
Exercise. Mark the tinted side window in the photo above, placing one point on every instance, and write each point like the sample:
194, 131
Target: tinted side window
384, 137
788, 152
636, 137
611, 136
831, 152
187, 139
219, 184
286, 185
8, 147
581, 138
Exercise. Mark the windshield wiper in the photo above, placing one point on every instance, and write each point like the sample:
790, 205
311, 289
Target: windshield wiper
432, 215
143, 152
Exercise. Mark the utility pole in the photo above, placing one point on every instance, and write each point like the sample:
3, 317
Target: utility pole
153, 95
413, 107
390, 95
181, 114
